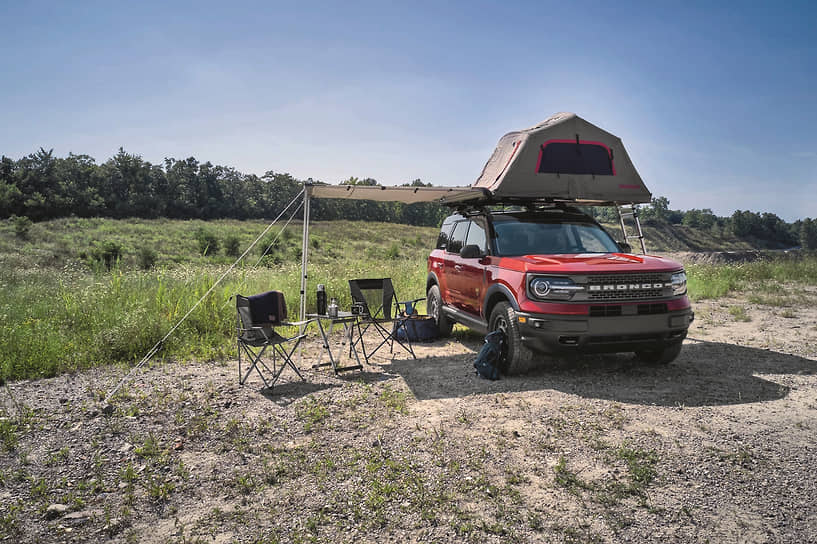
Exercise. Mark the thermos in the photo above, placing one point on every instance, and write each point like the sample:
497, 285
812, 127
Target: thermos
321, 299
333, 308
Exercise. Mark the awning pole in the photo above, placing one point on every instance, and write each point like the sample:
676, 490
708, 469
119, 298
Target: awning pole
305, 250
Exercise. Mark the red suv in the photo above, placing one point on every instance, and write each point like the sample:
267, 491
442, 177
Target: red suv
555, 282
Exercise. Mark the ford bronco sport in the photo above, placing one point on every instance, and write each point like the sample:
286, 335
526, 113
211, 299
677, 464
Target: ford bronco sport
554, 281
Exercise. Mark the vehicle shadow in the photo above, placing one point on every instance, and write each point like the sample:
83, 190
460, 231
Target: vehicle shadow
705, 374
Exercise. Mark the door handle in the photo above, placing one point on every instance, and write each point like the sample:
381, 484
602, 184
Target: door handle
457, 267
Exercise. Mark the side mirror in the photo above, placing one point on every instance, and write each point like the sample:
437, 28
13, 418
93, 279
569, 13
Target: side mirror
625, 247
471, 252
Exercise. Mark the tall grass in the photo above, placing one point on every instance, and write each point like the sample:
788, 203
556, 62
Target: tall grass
713, 281
59, 319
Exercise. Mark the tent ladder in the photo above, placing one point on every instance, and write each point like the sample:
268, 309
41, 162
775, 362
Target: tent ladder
633, 231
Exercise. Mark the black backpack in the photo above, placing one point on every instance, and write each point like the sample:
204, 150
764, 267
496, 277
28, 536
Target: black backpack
489, 357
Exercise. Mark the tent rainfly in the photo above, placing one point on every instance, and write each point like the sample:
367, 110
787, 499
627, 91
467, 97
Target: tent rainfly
563, 158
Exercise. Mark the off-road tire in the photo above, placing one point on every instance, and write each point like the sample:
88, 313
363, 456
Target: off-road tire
517, 358
660, 356
434, 303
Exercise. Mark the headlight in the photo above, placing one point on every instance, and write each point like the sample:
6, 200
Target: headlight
679, 283
553, 288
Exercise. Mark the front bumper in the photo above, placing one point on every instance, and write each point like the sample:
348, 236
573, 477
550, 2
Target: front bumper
584, 334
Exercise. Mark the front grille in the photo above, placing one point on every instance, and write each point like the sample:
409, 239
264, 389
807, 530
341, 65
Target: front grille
625, 279
609, 310
652, 309
615, 310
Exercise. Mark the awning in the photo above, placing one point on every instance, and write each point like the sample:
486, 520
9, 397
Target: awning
407, 195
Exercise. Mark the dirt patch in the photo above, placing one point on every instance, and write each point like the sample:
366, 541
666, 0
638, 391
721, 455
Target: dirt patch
718, 446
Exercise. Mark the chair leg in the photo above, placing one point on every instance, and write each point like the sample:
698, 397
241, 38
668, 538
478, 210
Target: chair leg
255, 360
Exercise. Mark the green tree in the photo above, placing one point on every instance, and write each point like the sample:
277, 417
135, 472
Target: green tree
808, 233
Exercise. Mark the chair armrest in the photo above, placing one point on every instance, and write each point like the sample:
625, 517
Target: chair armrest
241, 330
298, 323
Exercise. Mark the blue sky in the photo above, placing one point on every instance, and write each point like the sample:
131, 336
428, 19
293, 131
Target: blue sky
716, 105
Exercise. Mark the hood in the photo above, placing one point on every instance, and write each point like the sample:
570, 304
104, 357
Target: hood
590, 263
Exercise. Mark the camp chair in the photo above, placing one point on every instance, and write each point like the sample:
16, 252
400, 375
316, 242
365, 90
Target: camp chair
258, 317
380, 306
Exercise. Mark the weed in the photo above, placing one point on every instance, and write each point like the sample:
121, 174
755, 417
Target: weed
58, 457
8, 433
160, 489
246, 483
149, 448
39, 488
311, 412
739, 313
10, 522
394, 400
566, 478
641, 464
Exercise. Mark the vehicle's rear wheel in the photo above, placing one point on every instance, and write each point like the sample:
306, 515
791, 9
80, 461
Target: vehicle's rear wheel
434, 303
660, 356
517, 358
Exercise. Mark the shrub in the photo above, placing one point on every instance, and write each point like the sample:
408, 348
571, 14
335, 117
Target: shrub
208, 242
232, 246
147, 258
107, 253
22, 224
394, 251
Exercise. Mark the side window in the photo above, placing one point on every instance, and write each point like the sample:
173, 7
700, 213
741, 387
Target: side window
445, 231
457, 237
476, 236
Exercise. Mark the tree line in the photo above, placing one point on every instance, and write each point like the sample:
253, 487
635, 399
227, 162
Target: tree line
763, 227
41, 186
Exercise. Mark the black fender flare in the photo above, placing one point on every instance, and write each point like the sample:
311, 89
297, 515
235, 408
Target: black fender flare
432, 279
495, 293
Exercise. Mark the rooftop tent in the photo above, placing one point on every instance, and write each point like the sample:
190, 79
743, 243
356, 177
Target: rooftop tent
562, 158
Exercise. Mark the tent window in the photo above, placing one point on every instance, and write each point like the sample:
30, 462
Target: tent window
570, 157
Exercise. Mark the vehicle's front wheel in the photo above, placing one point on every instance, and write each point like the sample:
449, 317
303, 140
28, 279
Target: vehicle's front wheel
517, 358
434, 303
662, 356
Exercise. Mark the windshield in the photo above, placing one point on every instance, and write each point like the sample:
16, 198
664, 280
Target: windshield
520, 237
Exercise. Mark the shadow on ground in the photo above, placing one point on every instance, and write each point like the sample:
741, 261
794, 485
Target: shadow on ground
705, 374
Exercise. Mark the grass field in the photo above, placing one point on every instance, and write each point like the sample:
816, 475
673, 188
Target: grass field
63, 308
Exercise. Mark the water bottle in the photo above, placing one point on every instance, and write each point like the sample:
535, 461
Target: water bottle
333, 308
321, 297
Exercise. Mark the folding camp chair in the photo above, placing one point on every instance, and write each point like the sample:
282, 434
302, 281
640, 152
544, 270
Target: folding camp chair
379, 306
258, 317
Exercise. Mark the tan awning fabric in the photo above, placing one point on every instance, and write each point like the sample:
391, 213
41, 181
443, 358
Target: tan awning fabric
551, 160
408, 195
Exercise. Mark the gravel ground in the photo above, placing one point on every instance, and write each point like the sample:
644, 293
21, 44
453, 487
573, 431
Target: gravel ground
716, 447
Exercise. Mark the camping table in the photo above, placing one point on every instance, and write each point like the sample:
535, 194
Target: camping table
348, 320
